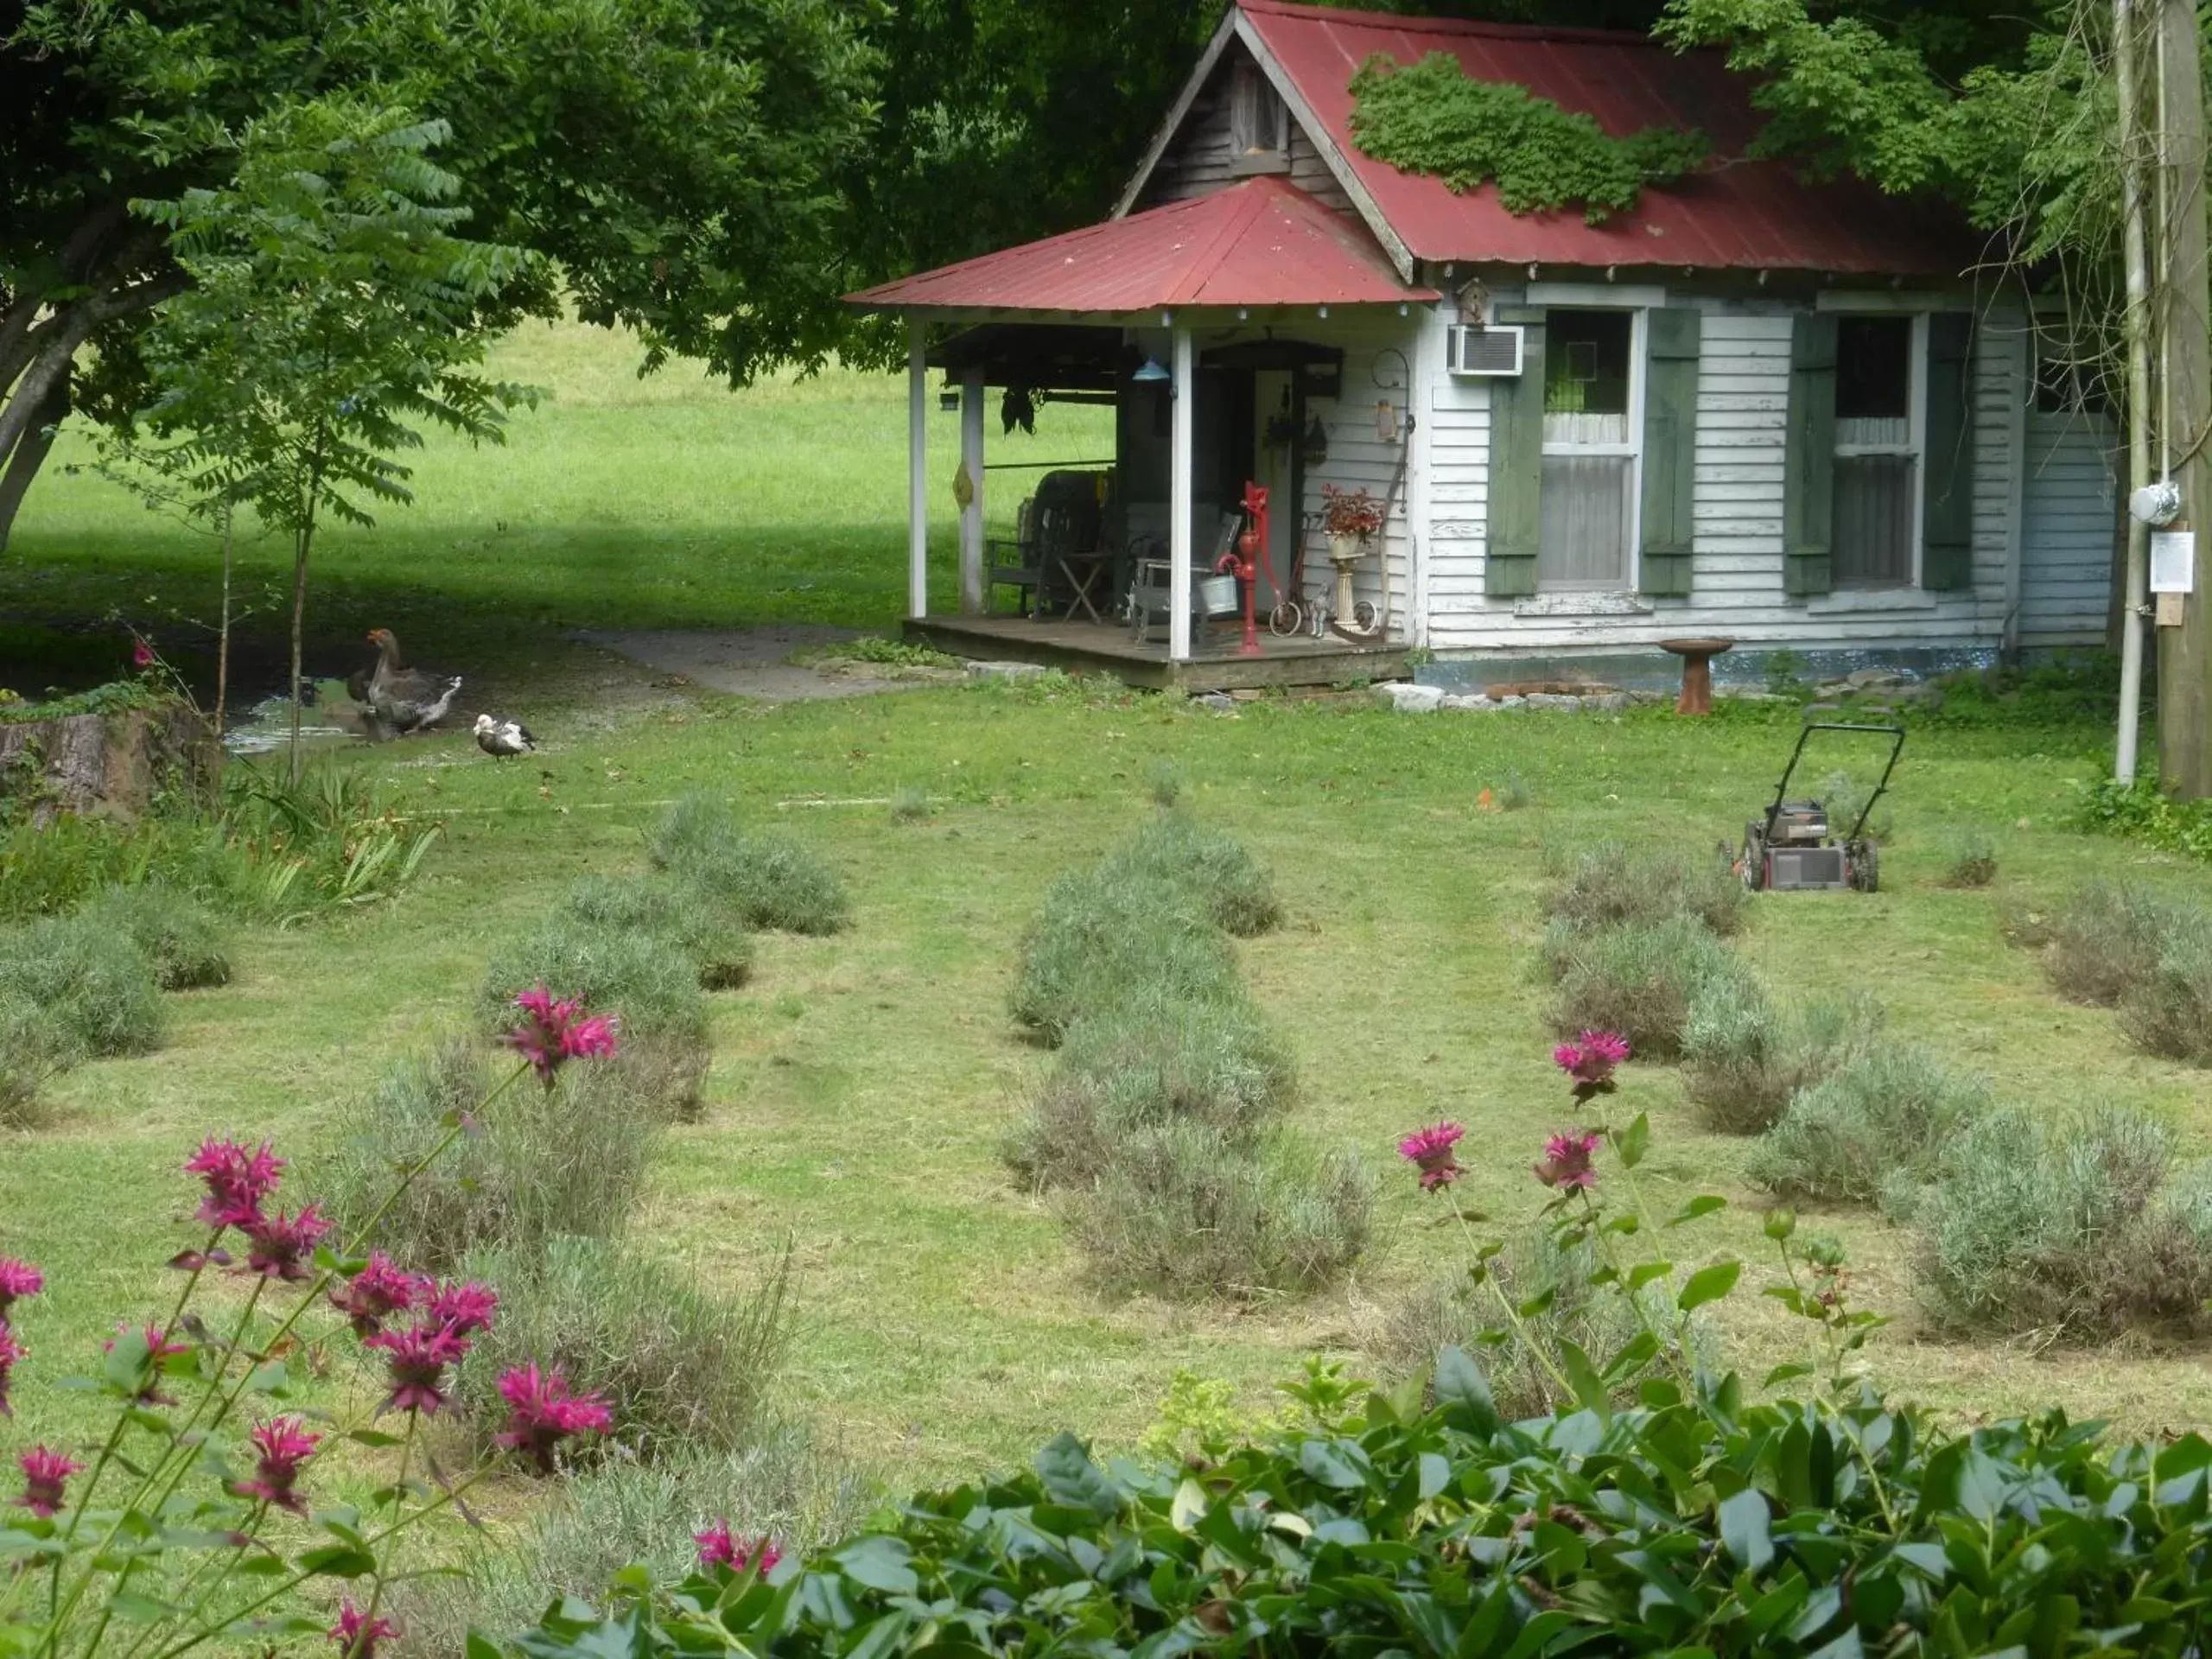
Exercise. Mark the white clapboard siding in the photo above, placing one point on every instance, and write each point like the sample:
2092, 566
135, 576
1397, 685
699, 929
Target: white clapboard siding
1378, 362
1737, 584
2071, 497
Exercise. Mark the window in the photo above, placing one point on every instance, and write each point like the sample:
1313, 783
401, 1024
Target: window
1259, 124
2071, 384
1588, 509
1877, 451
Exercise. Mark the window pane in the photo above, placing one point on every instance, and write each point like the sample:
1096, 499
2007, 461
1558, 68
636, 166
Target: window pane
1583, 538
1873, 368
1585, 362
1873, 520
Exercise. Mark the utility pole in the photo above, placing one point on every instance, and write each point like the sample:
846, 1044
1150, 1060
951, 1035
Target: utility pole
2127, 44
2184, 349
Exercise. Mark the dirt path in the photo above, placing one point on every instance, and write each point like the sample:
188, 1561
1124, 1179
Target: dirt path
755, 662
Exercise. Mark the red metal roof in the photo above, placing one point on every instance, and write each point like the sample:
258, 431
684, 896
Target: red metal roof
1748, 215
1256, 243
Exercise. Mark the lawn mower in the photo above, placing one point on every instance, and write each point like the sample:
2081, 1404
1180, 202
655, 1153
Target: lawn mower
1790, 849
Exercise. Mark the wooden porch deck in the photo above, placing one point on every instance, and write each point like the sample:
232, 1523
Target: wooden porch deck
1214, 666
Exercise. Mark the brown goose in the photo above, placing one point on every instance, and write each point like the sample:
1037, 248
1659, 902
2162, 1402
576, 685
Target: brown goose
406, 699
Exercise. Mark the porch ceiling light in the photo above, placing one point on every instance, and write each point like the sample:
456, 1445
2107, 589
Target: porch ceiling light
1149, 372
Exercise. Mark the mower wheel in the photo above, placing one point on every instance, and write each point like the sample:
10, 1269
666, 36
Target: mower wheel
1866, 867
1752, 864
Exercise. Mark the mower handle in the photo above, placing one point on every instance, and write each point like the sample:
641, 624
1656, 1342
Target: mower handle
1782, 789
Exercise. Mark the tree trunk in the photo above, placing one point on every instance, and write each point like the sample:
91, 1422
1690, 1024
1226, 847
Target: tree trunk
299, 617
222, 634
31, 455
2185, 653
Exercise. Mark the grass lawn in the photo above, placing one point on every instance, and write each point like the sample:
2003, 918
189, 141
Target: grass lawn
862, 1082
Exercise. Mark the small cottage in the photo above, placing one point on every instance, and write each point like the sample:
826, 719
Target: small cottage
1796, 416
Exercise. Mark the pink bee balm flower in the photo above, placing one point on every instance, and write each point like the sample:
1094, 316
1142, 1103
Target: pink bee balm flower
141, 654
718, 1547
543, 1414
1590, 1060
10, 1351
375, 1292
281, 1244
418, 1359
283, 1445
158, 1349
18, 1280
557, 1031
461, 1310
357, 1634
44, 1472
1567, 1160
238, 1180
1431, 1149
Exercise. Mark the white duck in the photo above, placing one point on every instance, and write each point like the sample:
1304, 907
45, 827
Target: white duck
502, 738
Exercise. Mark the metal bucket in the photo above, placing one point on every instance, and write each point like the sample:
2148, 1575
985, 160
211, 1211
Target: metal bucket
1217, 596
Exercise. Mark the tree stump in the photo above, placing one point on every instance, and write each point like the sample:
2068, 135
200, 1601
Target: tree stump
112, 766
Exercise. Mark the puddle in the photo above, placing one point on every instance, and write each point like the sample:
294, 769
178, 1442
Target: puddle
266, 727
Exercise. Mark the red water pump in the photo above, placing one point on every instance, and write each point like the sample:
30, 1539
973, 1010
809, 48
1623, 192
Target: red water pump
1246, 561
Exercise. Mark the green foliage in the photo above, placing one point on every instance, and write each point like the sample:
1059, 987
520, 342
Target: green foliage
2141, 811
542, 1165
117, 696
1642, 980
1675, 1524
1615, 882
188, 950
1216, 870
31, 1051
1972, 862
1185, 1210
652, 989
95, 990
679, 915
2106, 936
2168, 1010
911, 806
2073, 1225
765, 881
1102, 933
1742, 1058
1430, 116
685, 1369
892, 653
1885, 1117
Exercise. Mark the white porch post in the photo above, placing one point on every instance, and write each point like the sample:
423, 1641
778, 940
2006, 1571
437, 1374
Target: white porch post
971, 516
1184, 389
918, 461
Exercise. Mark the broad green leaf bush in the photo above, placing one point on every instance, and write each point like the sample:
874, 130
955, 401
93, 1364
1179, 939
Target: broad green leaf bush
188, 950
1641, 979
2080, 1225
1744, 1057
681, 1365
1888, 1115
570, 1161
683, 917
767, 881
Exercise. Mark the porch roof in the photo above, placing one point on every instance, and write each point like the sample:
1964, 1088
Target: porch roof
1261, 242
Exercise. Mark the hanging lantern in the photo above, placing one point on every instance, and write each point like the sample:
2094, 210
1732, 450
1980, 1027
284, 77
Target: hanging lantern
1317, 443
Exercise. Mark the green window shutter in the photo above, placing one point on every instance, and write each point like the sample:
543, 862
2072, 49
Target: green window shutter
1517, 465
1809, 456
1946, 463
1670, 452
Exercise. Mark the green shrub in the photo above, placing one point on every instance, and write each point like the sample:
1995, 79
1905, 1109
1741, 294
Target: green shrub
1844, 799
1104, 932
2106, 936
541, 1163
911, 806
1884, 1114
1215, 870
2168, 1010
1513, 794
1146, 1062
683, 1368
1163, 781
1614, 884
2068, 1225
765, 881
1973, 863
620, 1512
653, 989
92, 984
187, 948
1184, 1211
1742, 1058
1641, 980
673, 912
30, 1052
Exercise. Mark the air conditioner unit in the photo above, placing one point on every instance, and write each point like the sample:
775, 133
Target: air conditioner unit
1472, 349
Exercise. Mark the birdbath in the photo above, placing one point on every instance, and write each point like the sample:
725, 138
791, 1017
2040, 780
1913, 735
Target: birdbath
1697, 656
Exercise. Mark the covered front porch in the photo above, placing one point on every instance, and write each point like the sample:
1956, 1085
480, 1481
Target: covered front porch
1218, 331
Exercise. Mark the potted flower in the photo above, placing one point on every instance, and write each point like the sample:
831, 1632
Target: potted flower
1350, 518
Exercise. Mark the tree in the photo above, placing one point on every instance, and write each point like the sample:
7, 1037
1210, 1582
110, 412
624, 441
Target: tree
679, 163
329, 309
